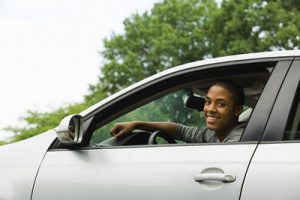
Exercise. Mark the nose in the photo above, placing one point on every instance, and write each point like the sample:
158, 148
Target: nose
210, 107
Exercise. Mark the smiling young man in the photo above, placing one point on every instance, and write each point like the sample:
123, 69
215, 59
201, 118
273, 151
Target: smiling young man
223, 105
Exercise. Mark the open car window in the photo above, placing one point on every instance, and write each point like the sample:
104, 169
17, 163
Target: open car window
171, 105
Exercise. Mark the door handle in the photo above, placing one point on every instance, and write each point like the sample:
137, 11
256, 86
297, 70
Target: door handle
227, 178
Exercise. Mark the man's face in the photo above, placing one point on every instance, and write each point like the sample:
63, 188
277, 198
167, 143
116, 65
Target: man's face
220, 109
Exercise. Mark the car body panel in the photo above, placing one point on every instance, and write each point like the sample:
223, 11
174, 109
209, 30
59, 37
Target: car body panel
274, 172
19, 164
31, 170
142, 172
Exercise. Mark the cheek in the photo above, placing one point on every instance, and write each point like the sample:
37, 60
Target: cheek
227, 113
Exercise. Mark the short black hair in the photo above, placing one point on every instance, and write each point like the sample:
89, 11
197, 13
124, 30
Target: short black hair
236, 90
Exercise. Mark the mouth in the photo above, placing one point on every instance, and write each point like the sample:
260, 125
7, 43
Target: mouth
210, 119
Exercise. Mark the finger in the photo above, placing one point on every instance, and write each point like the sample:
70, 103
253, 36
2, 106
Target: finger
119, 134
115, 130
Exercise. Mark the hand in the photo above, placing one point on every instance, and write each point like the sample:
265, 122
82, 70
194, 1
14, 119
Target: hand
121, 129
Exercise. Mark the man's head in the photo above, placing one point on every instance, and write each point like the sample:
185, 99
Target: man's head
223, 104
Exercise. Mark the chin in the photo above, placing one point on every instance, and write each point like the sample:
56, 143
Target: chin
211, 127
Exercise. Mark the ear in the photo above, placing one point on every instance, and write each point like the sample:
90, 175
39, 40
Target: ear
238, 110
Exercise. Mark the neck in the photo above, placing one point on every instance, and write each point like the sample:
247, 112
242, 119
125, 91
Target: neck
222, 134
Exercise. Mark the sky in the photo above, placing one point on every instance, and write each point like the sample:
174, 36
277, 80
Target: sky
49, 51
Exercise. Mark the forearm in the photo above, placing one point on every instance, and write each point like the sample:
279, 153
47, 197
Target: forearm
168, 128
123, 128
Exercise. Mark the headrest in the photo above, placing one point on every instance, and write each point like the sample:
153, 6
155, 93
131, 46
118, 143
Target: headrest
245, 115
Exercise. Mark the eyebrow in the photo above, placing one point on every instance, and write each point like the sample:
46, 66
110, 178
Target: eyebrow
219, 99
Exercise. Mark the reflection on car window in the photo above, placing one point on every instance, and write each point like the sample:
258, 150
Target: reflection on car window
167, 108
292, 131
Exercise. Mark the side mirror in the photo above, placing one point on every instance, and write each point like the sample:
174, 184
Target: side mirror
70, 130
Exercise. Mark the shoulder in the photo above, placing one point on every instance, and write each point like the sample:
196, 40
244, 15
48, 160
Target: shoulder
236, 133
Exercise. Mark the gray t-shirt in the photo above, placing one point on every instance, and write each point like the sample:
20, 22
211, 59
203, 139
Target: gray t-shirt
205, 135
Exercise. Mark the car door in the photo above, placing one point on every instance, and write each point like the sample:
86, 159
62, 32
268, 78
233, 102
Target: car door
274, 172
174, 171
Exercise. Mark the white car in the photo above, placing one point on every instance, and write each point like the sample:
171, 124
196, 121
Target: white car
79, 159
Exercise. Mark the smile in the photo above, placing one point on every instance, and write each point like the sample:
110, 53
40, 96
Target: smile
211, 118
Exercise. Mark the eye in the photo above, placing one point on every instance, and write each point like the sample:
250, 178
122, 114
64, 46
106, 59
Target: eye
207, 102
221, 104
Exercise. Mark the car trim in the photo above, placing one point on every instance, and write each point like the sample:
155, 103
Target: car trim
263, 108
149, 146
283, 105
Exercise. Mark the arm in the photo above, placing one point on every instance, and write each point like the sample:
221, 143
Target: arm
124, 128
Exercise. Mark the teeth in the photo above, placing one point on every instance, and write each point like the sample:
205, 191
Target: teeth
211, 118
214, 117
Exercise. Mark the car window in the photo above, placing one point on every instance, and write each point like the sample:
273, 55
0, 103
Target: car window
166, 100
292, 131
170, 107
173, 107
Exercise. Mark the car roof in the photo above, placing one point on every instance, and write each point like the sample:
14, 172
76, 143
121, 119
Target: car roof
211, 61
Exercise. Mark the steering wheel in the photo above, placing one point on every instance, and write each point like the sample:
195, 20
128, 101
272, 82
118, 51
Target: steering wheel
137, 138
156, 134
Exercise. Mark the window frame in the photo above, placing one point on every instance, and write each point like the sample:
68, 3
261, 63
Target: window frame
283, 106
155, 90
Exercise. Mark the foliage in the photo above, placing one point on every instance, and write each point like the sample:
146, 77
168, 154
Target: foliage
3, 143
176, 32
254, 25
173, 33
40, 122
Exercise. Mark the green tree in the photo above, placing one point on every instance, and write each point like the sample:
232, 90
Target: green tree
3, 143
39, 122
173, 33
253, 26
180, 31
